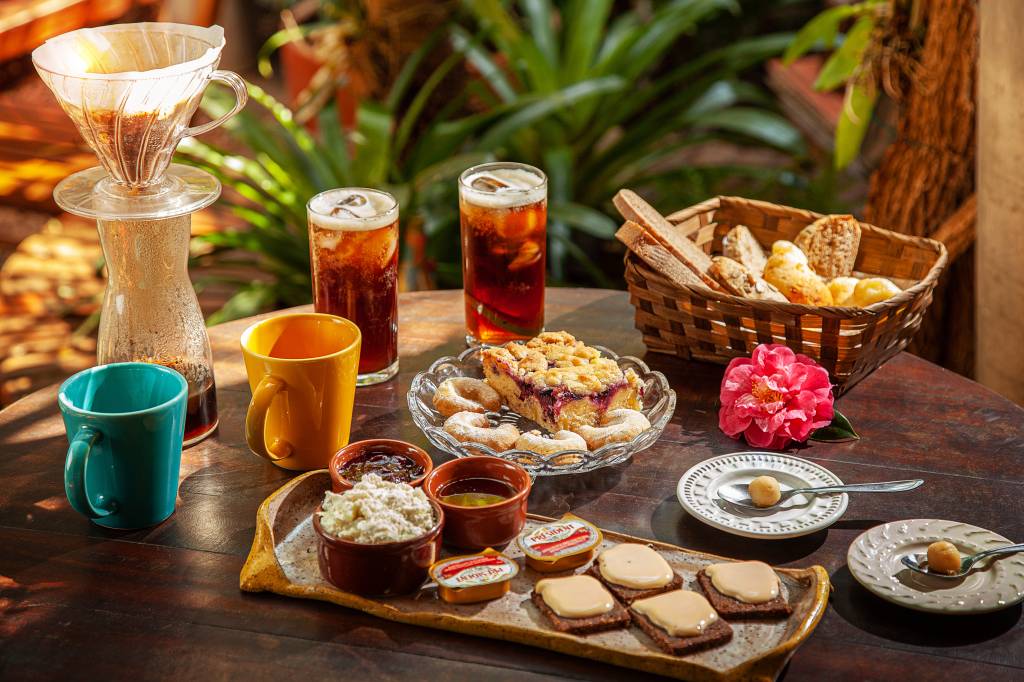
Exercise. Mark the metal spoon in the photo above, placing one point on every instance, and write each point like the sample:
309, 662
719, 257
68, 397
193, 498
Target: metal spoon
919, 562
737, 492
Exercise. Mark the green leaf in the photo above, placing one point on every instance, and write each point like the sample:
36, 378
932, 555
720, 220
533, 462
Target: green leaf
819, 31
584, 219
250, 301
523, 54
373, 137
412, 114
491, 72
854, 120
845, 61
281, 38
584, 20
539, 15
335, 145
558, 165
764, 126
547, 105
409, 68
839, 431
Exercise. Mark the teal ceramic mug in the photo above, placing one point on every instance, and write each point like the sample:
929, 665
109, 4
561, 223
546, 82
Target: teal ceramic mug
125, 424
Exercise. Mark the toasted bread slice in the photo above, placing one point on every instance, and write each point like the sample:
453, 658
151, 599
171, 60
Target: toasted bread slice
739, 281
652, 252
635, 209
618, 617
628, 595
740, 245
734, 609
831, 245
716, 634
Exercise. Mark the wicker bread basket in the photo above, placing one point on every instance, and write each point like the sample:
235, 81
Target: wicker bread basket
694, 322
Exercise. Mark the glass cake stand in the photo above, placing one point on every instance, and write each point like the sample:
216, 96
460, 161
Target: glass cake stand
659, 404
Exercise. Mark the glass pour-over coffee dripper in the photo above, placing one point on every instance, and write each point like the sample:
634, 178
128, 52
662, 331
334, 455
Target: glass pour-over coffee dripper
132, 89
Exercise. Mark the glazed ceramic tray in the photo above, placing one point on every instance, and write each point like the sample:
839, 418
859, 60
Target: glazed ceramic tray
283, 559
659, 404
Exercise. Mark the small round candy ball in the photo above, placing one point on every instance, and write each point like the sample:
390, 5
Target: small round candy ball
764, 491
943, 557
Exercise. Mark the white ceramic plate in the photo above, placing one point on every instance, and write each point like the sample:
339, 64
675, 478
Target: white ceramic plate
697, 491
874, 560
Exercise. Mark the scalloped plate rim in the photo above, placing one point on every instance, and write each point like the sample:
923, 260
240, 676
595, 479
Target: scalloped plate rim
909, 602
696, 513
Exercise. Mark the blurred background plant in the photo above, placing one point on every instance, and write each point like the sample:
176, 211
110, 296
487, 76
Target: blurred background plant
875, 54
598, 98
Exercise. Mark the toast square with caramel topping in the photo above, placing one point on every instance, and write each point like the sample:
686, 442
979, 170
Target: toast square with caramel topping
628, 594
831, 244
734, 609
717, 634
618, 617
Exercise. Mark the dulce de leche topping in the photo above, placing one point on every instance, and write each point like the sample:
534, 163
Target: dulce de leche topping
577, 596
634, 565
680, 613
753, 582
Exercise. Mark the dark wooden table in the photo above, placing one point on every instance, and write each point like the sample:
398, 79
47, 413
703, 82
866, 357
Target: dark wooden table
81, 602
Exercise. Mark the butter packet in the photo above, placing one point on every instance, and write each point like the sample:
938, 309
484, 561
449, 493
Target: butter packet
560, 545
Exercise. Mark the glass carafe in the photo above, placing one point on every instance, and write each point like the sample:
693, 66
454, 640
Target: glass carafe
132, 89
150, 310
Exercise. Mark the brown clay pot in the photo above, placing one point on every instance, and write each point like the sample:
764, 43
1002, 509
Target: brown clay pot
476, 528
383, 569
340, 484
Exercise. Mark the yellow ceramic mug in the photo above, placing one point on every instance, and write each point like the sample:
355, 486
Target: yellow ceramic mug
302, 371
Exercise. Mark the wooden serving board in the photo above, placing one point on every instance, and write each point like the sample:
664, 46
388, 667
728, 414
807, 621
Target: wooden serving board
283, 559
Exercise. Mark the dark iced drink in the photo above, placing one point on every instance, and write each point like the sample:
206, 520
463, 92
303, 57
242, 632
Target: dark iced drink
503, 216
353, 248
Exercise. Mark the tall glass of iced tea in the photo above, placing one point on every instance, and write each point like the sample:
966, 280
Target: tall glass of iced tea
353, 250
503, 210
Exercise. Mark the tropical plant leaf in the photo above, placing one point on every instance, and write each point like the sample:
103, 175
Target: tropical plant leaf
549, 104
373, 137
522, 53
845, 61
247, 302
280, 39
584, 219
820, 32
539, 14
587, 19
335, 145
558, 165
854, 120
404, 78
764, 126
494, 75
839, 431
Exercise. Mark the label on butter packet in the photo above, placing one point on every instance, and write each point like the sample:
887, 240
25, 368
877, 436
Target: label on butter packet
567, 536
474, 570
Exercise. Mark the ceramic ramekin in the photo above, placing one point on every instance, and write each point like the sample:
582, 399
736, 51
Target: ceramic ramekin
479, 527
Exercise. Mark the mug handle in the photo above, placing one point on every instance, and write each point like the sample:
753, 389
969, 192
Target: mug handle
74, 476
256, 420
237, 84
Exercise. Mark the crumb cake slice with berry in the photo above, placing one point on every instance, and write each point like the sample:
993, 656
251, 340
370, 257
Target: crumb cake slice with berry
559, 382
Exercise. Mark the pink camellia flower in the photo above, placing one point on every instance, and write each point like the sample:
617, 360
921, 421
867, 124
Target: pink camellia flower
774, 396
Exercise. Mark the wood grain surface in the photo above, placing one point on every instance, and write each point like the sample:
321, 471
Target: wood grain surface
81, 602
